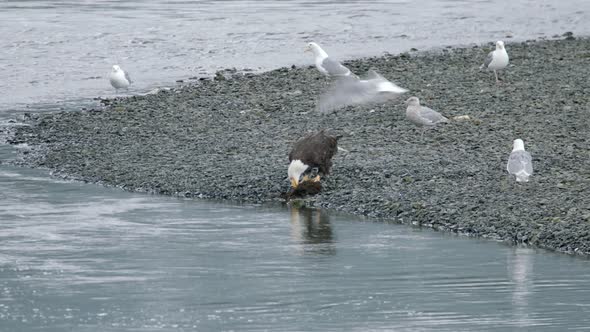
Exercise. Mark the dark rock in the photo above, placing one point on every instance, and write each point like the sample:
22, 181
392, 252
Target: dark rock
569, 36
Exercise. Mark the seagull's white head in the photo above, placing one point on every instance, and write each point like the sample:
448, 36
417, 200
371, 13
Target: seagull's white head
310, 47
315, 49
116, 68
518, 145
499, 45
413, 101
296, 169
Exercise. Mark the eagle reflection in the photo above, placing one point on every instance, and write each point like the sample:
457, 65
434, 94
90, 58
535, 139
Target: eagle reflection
312, 230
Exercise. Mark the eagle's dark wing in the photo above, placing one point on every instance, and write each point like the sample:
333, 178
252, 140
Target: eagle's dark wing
316, 150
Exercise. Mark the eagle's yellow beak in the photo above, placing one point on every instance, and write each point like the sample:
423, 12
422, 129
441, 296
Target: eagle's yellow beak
294, 182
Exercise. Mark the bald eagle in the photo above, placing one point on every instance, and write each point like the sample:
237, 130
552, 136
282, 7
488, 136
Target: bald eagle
312, 151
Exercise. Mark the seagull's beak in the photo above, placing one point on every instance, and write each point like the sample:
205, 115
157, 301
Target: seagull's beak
294, 182
307, 49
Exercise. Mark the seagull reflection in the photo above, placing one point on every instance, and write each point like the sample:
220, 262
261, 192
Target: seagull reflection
520, 268
311, 229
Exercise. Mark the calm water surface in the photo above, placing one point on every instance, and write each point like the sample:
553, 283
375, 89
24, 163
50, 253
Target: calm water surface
62, 51
76, 257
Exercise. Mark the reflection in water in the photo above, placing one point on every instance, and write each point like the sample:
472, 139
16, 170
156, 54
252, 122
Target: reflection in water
520, 271
76, 257
311, 228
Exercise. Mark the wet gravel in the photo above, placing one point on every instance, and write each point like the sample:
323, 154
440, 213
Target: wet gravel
229, 138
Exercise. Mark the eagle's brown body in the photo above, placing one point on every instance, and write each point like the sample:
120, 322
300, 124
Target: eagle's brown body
316, 151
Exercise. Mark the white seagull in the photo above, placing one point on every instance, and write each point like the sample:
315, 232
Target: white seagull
520, 163
119, 78
325, 64
423, 116
497, 59
353, 91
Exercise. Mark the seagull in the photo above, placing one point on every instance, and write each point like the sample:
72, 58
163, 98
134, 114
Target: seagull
520, 163
325, 64
422, 116
497, 59
353, 91
119, 78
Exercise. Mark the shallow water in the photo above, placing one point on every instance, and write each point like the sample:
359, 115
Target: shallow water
61, 51
87, 258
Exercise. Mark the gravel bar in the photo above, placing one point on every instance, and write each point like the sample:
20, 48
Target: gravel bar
228, 138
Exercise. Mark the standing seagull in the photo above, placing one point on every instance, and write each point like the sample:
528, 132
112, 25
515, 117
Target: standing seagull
497, 59
119, 78
422, 116
325, 64
520, 163
312, 151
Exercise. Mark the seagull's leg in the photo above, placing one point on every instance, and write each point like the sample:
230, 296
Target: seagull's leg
496, 73
422, 133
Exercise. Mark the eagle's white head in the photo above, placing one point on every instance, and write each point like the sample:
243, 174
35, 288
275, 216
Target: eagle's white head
296, 169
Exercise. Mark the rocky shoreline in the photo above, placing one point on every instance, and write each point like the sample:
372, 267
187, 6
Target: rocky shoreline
229, 137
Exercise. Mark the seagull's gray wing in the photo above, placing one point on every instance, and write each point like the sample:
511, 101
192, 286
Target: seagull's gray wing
413, 114
334, 68
372, 74
430, 116
381, 84
488, 60
349, 90
520, 161
345, 91
127, 76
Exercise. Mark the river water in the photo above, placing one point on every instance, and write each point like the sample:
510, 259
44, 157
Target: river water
62, 51
78, 257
